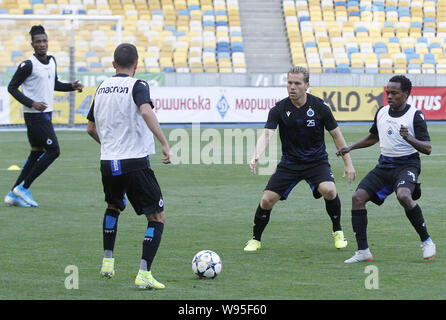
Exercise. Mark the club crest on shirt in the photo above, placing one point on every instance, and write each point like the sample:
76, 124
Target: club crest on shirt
288, 113
310, 112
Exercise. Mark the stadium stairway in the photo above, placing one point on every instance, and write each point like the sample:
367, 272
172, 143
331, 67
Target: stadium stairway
264, 36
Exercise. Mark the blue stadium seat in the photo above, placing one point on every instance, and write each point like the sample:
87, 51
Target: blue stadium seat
343, 68
409, 51
168, 69
208, 23
237, 46
33, 2
410, 56
429, 29
371, 70
179, 33
223, 47
361, 29
221, 23
380, 47
310, 45
429, 58
350, 51
330, 70
303, 18
82, 69
404, 12
28, 11
95, 64
184, 13
378, 6
357, 70
434, 45
394, 40
16, 54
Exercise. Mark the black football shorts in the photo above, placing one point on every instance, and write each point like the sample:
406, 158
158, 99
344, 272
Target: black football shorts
40, 131
286, 177
139, 186
381, 182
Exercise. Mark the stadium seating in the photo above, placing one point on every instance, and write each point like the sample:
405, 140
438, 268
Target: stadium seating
171, 35
372, 36
341, 36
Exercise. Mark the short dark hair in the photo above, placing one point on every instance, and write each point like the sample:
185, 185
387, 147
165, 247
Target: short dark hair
35, 30
125, 55
405, 83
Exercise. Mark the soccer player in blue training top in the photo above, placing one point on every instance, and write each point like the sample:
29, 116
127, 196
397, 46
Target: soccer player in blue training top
121, 119
402, 133
38, 78
301, 118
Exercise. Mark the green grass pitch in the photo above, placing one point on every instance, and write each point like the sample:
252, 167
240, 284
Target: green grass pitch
212, 207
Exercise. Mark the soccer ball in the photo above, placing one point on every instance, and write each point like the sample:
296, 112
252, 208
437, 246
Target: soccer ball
206, 264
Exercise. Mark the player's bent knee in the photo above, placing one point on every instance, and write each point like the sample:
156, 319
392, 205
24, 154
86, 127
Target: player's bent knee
157, 217
113, 210
359, 198
404, 196
268, 200
55, 152
327, 190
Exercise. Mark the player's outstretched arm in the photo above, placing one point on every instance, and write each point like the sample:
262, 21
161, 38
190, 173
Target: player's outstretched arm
262, 144
154, 126
368, 141
339, 142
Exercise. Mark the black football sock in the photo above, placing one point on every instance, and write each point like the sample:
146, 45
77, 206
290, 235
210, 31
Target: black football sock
261, 219
40, 166
109, 231
151, 243
415, 216
359, 223
27, 167
334, 211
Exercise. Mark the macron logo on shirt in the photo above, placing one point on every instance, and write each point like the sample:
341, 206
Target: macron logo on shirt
115, 89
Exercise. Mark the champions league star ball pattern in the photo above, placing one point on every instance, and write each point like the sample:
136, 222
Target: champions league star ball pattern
206, 264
